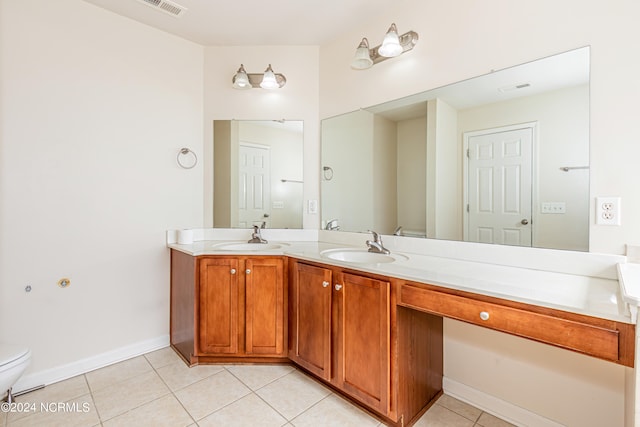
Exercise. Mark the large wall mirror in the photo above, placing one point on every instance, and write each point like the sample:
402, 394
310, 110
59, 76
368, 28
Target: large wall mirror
257, 173
502, 158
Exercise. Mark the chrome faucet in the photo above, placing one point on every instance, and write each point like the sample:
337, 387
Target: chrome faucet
332, 225
376, 245
398, 231
256, 237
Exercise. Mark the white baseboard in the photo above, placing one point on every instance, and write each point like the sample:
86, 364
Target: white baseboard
495, 406
82, 366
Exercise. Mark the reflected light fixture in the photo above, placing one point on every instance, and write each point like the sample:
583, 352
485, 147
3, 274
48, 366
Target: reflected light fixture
266, 80
393, 45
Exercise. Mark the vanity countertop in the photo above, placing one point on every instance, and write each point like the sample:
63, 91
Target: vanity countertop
591, 296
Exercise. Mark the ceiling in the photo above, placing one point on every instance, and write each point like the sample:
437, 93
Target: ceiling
564, 70
252, 22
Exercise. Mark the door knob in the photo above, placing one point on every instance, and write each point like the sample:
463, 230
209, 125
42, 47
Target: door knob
247, 271
338, 287
233, 271
325, 284
524, 221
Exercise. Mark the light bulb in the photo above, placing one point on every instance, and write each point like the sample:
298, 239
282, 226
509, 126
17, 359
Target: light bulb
269, 79
362, 59
241, 79
391, 43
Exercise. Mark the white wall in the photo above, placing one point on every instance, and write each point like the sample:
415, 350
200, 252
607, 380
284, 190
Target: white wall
412, 178
384, 200
562, 118
348, 150
93, 109
466, 38
443, 181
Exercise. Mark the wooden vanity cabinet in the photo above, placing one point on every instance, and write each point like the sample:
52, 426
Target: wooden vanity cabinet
232, 309
311, 319
217, 306
363, 339
343, 329
604, 339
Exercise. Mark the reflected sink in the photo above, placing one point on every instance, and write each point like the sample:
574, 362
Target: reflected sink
360, 256
247, 247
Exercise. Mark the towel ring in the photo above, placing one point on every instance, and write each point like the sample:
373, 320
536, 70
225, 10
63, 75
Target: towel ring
185, 152
327, 172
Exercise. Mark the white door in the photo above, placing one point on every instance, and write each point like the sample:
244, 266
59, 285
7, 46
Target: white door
499, 194
254, 198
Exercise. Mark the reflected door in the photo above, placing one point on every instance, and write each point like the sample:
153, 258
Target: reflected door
499, 186
254, 185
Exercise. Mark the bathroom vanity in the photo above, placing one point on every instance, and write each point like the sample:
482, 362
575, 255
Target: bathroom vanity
371, 331
228, 308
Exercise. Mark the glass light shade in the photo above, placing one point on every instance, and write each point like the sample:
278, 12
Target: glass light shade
391, 43
362, 59
241, 79
269, 79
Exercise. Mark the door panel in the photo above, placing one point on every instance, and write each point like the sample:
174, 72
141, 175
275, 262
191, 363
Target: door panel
218, 306
264, 309
365, 339
312, 323
254, 195
499, 187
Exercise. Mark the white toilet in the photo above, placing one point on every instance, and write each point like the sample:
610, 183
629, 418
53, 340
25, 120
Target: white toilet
13, 361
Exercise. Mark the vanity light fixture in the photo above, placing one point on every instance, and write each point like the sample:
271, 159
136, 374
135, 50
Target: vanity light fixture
266, 80
393, 45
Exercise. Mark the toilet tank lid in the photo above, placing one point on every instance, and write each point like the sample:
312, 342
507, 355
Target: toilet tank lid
11, 352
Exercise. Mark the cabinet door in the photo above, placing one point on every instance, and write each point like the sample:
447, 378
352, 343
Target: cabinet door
364, 339
218, 306
264, 306
312, 319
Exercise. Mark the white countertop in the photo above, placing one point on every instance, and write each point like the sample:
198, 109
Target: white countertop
592, 296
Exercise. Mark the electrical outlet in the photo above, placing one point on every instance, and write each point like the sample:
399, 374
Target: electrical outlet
608, 210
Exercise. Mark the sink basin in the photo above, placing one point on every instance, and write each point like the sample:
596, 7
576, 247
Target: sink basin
247, 247
360, 256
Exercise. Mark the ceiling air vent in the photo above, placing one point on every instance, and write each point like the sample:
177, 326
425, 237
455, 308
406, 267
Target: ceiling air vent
166, 6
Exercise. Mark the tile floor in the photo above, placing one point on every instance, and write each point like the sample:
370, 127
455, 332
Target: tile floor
158, 389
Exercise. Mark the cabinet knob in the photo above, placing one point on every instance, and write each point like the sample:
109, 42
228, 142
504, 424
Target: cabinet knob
248, 271
233, 271
484, 315
338, 286
325, 284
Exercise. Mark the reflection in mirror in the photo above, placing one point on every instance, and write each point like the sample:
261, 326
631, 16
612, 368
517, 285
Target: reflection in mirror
257, 173
501, 158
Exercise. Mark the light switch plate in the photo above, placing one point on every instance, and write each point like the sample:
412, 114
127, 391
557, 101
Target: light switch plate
553, 207
312, 206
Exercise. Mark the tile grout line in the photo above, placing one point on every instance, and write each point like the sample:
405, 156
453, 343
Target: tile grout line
123, 381
170, 390
460, 415
200, 380
315, 404
251, 391
93, 400
267, 403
